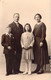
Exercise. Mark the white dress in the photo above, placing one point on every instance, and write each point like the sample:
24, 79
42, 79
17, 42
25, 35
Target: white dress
27, 41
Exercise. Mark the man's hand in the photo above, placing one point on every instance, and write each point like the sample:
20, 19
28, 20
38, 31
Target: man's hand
9, 47
41, 44
15, 52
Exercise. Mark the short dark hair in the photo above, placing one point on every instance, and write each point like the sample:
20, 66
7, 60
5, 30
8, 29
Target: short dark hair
39, 15
30, 29
15, 14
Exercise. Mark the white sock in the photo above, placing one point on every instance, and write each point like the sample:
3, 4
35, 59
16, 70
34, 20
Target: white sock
30, 64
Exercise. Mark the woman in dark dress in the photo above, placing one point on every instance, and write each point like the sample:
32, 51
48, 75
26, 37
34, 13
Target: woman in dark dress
40, 45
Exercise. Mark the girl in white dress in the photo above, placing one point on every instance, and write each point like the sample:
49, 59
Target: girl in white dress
27, 41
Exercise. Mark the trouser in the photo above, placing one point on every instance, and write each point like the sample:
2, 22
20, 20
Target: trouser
17, 60
13, 63
9, 63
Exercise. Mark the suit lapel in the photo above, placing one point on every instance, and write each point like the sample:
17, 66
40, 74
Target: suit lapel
16, 25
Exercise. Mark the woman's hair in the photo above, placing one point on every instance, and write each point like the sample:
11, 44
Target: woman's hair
29, 27
38, 15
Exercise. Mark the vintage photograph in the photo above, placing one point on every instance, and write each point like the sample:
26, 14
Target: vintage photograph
25, 40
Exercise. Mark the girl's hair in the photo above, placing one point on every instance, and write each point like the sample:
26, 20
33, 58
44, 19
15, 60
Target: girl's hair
38, 15
29, 27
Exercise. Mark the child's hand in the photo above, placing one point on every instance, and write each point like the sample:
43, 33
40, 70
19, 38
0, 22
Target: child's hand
29, 46
26, 47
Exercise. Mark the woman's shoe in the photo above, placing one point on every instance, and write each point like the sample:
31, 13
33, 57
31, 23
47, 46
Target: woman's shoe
20, 72
37, 69
40, 72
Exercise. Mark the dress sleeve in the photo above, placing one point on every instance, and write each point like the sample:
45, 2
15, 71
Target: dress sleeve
43, 32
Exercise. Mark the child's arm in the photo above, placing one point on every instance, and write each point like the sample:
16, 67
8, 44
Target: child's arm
32, 43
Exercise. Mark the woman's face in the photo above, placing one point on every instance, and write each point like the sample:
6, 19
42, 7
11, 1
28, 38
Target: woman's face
37, 18
27, 28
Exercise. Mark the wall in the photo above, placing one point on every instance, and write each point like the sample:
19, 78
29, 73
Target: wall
27, 9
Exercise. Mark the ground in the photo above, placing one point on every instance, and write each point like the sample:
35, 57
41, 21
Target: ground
45, 76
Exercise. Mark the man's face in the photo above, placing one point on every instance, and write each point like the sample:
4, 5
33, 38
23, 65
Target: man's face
16, 17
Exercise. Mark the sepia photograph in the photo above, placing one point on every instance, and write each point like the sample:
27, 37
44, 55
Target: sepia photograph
25, 40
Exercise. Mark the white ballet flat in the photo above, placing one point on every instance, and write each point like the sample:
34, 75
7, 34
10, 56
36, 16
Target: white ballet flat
29, 73
25, 73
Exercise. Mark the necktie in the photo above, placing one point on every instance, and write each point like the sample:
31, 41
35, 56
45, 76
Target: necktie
17, 24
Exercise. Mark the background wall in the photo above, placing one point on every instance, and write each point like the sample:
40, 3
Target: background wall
27, 9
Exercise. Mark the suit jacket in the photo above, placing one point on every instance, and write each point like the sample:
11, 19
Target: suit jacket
17, 32
7, 41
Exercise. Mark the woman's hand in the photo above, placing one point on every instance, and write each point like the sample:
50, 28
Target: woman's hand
41, 44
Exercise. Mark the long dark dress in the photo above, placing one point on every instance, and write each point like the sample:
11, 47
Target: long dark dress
40, 53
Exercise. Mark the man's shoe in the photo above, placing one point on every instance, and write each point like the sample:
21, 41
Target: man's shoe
8, 74
20, 72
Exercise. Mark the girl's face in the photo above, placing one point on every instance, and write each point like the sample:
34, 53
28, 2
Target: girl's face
37, 18
27, 28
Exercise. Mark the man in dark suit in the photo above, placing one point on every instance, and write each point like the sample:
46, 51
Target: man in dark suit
16, 29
